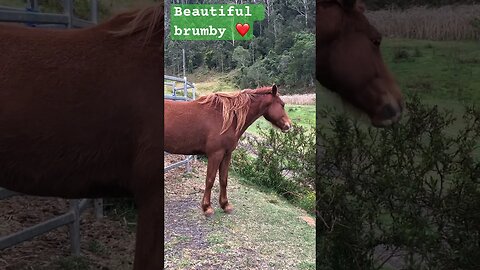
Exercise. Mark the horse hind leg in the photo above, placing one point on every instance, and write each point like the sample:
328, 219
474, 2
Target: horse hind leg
223, 199
212, 168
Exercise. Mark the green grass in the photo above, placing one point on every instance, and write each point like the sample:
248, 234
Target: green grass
13, 3
442, 73
263, 224
436, 70
280, 219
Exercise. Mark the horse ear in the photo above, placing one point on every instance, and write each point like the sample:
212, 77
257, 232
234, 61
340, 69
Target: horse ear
347, 4
274, 90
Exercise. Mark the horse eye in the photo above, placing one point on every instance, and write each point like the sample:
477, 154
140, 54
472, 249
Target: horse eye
377, 42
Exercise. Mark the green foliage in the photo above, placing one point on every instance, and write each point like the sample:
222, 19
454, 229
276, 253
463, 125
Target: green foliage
302, 60
282, 162
476, 23
241, 57
292, 68
411, 190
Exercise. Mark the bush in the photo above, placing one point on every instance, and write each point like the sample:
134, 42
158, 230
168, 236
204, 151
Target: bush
282, 162
411, 191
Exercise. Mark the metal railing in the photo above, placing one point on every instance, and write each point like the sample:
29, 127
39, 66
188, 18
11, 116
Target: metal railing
30, 15
70, 218
181, 90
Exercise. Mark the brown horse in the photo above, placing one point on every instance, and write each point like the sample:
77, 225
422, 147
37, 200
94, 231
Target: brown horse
349, 61
212, 126
81, 115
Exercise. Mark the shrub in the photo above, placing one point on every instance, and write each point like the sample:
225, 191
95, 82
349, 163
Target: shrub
283, 162
401, 54
411, 191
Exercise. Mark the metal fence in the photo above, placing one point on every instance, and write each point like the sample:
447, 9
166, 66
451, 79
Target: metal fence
180, 90
70, 218
31, 16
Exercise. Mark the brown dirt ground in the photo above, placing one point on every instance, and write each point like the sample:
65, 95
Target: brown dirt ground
105, 243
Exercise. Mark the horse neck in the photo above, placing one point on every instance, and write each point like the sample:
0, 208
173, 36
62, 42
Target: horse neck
257, 108
120, 24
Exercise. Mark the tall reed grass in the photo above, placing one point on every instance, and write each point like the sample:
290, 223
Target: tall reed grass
454, 22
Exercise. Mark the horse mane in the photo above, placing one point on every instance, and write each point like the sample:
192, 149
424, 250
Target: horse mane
234, 105
150, 19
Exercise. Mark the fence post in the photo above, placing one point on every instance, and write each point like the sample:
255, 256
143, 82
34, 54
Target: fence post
94, 11
33, 5
194, 90
188, 166
75, 227
98, 206
68, 11
185, 87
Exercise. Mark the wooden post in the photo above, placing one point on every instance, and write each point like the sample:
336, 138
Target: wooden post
75, 227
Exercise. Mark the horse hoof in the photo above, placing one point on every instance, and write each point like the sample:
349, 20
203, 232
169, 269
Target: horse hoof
228, 209
209, 212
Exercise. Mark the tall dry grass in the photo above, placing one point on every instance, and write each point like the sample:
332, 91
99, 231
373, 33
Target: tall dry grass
305, 99
444, 23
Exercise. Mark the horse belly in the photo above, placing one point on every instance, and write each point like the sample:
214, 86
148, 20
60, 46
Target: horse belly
58, 145
55, 168
185, 132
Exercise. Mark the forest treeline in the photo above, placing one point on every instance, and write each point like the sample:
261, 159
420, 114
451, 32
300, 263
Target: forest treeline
282, 52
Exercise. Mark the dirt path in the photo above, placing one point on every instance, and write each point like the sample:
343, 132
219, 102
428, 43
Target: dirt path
264, 232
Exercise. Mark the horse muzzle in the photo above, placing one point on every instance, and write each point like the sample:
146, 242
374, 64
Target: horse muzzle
286, 128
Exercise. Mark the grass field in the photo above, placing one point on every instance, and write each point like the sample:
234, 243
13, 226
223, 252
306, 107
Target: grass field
438, 71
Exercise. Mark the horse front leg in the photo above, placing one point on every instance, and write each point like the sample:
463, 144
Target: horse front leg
223, 200
147, 186
149, 246
212, 168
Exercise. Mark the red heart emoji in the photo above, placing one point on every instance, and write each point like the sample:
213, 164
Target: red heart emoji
243, 28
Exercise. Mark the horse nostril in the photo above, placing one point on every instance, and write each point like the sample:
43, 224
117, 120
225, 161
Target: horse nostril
388, 112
